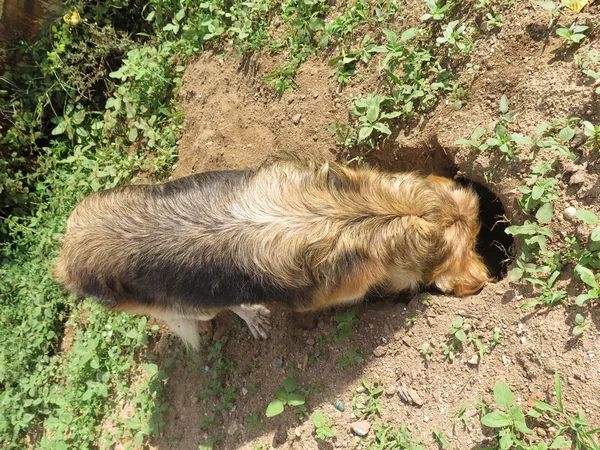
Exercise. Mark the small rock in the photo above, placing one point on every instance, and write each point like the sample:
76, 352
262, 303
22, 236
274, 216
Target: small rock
310, 341
298, 432
233, 428
540, 431
523, 340
360, 389
360, 428
415, 397
296, 119
380, 351
474, 360
505, 360
569, 213
390, 390
403, 393
244, 391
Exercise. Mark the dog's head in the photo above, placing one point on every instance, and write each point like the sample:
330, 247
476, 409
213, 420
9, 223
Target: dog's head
462, 271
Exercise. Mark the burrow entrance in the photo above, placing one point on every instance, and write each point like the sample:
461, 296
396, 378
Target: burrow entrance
493, 244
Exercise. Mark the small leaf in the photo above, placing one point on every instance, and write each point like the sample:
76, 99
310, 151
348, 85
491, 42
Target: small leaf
544, 214
319, 419
566, 134
504, 104
290, 385
586, 275
274, 408
496, 419
503, 395
595, 236
515, 274
461, 336
561, 442
364, 133
587, 216
296, 399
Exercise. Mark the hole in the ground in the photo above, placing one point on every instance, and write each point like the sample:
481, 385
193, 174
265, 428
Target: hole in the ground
494, 245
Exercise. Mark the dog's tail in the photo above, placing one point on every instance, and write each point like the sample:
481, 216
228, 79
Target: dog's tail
462, 271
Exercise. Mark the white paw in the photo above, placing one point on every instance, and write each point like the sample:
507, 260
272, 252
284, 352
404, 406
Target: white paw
257, 318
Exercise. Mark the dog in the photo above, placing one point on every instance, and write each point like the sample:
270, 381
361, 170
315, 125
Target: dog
294, 232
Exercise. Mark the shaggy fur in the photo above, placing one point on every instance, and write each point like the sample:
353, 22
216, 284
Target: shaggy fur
296, 233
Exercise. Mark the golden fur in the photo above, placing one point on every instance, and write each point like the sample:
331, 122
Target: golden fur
294, 232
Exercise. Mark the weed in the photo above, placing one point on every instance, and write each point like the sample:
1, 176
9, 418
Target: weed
497, 338
439, 436
577, 427
437, 9
287, 394
323, 428
371, 117
456, 36
350, 357
580, 327
371, 407
410, 321
574, 34
593, 134
386, 437
589, 63
553, 8
254, 421
346, 320
427, 351
459, 414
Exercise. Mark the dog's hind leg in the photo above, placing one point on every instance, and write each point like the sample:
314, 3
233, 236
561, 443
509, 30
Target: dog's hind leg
186, 329
257, 318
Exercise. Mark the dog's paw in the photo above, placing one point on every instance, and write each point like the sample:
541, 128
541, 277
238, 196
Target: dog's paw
257, 318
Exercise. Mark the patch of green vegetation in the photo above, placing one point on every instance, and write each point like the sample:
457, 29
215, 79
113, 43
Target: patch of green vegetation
387, 438
514, 433
218, 383
287, 394
350, 357
323, 427
367, 403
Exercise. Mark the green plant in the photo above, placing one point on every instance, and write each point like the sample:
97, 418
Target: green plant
410, 321
427, 351
593, 134
323, 428
553, 8
287, 394
456, 36
254, 421
368, 406
494, 20
439, 436
350, 357
573, 34
509, 419
580, 327
388, 438
589, 65
459, 414
437, 9
370, 112
346, 320
577, 427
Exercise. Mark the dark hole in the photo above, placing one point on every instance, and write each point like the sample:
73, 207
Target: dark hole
493, 244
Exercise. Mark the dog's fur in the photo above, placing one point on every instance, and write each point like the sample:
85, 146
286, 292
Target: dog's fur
293, 232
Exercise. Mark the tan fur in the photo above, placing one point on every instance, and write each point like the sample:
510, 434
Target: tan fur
314, 235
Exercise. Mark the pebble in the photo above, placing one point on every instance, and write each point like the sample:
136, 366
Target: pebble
390, 390
244, 391
474, 360
310, 341
523, 340
361, 428
380, 351
540, 432
569, 213
296, 119
360, 389
505, 360
233, 428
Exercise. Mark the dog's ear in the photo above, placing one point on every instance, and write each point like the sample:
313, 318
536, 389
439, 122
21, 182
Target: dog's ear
462, 271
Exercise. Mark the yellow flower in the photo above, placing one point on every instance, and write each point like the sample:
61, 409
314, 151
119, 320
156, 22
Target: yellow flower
73, 19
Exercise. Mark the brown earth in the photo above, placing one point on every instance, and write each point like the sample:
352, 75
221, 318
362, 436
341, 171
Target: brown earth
234, 120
